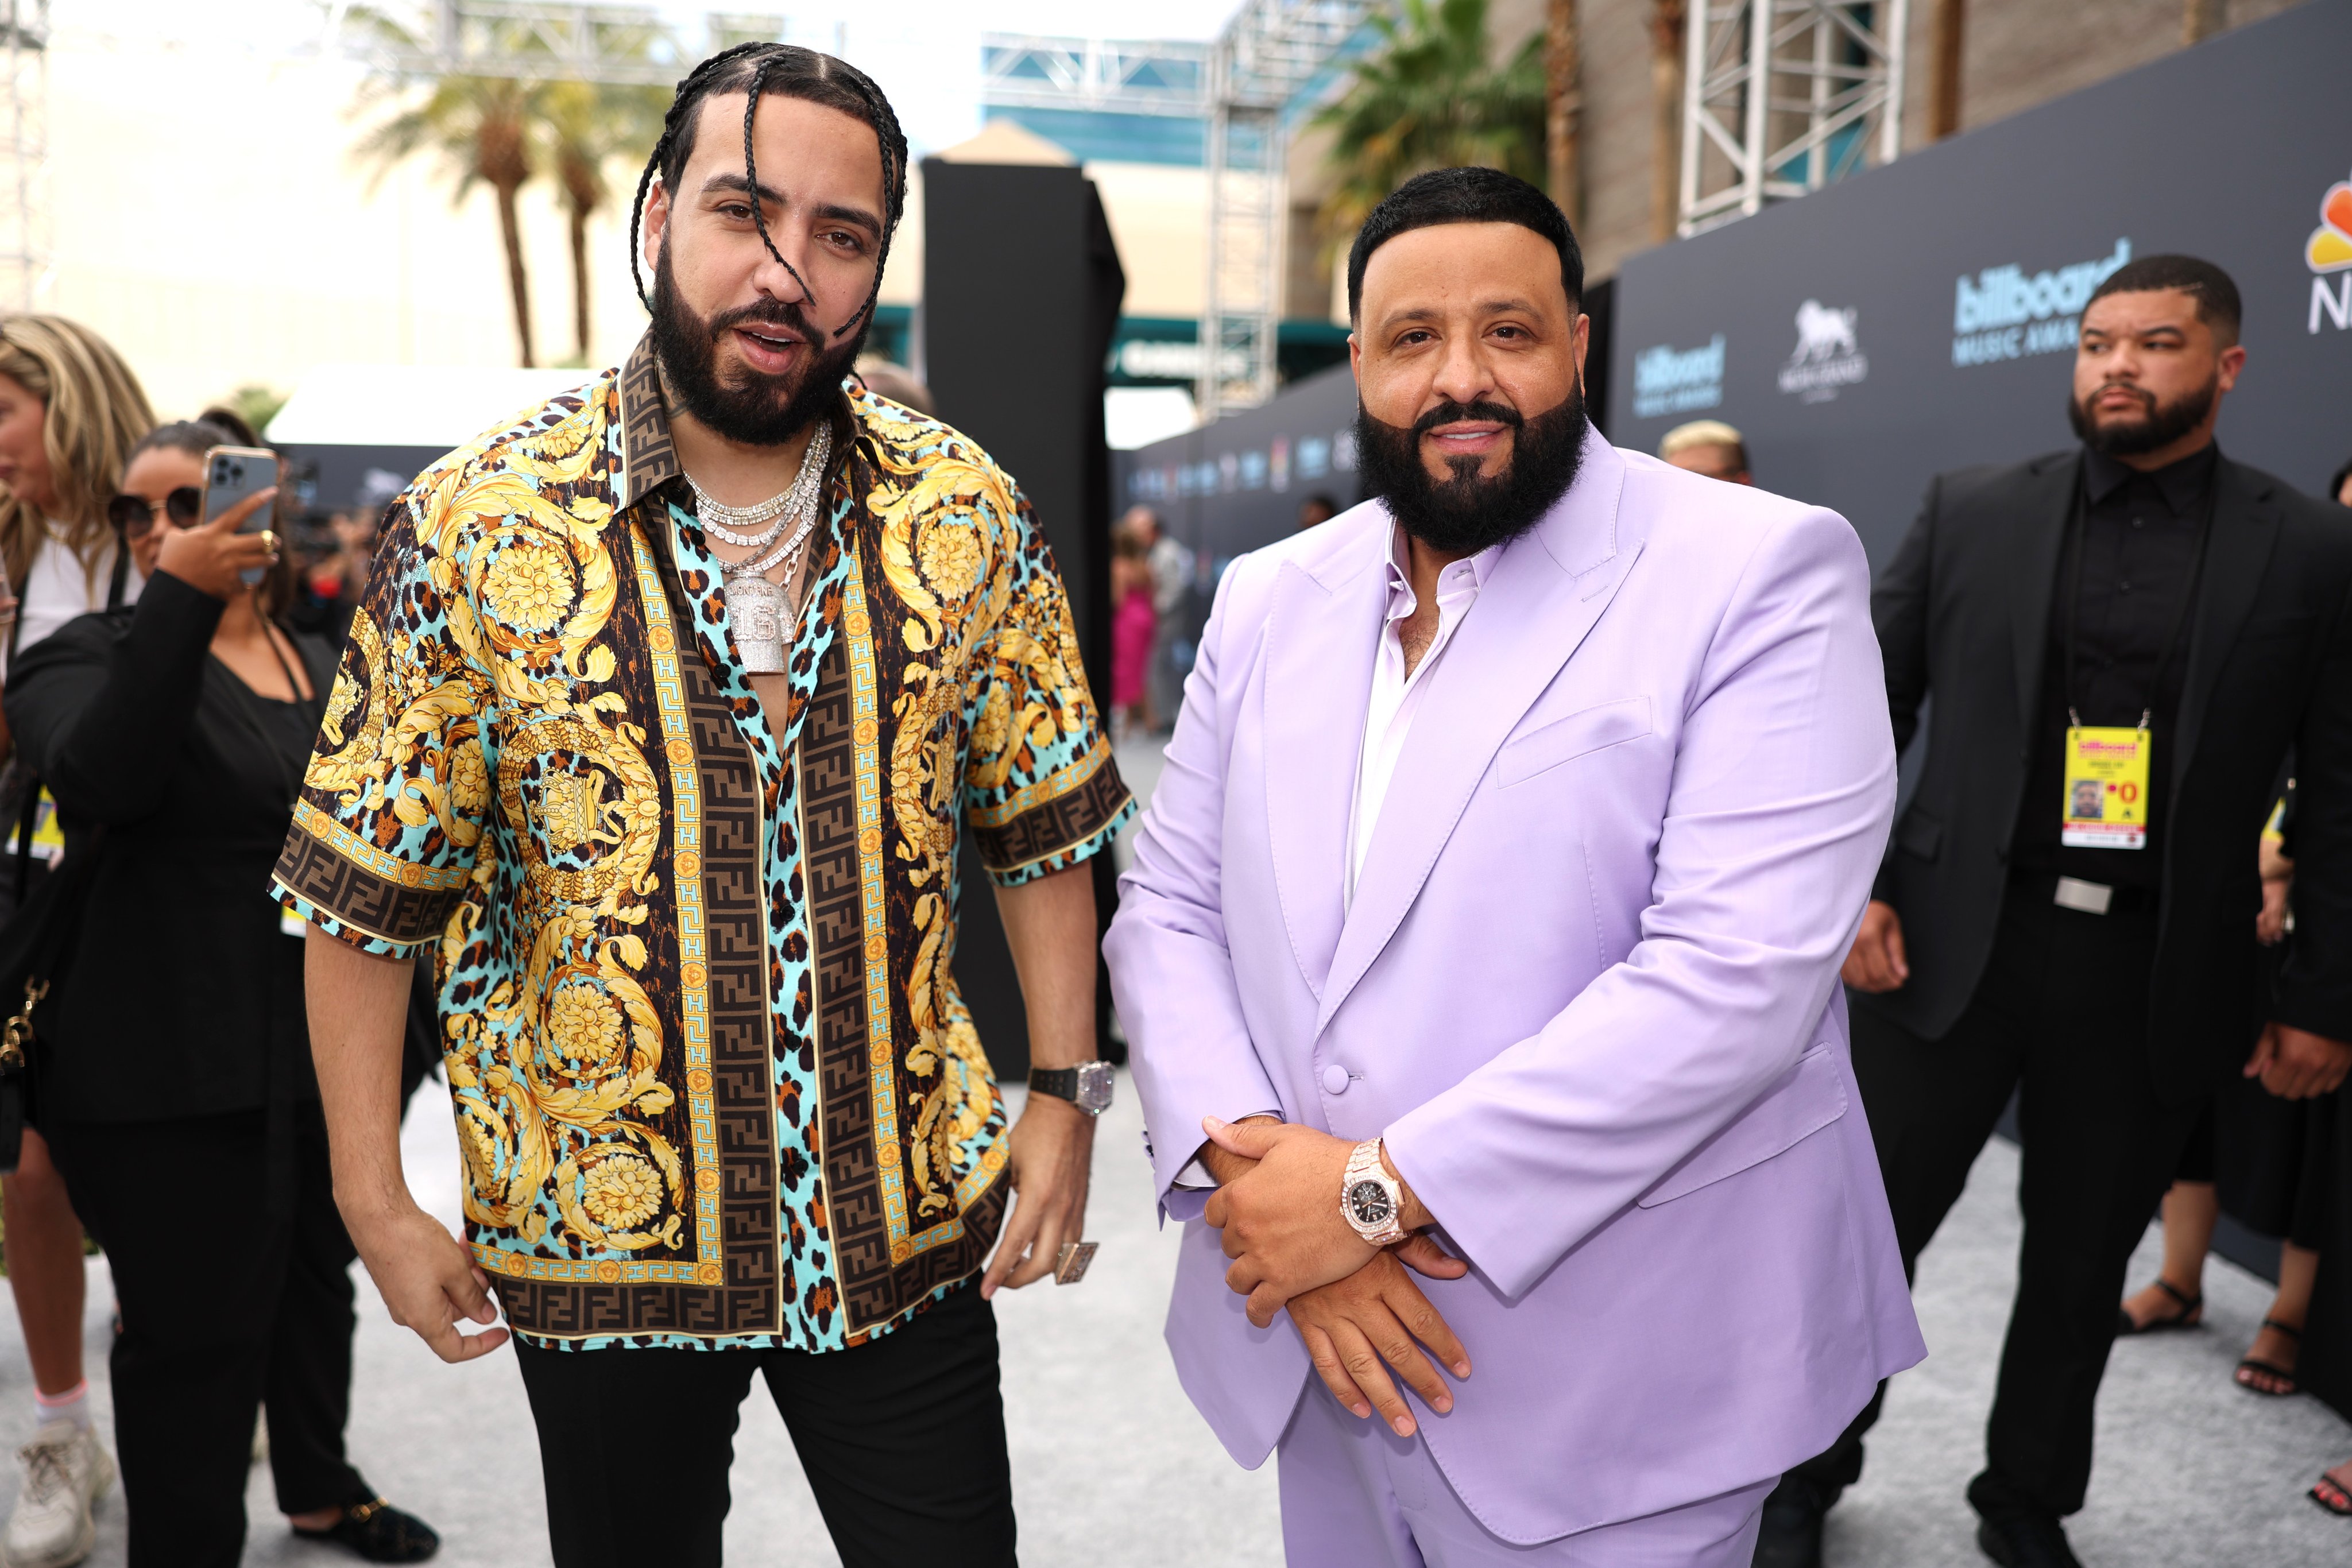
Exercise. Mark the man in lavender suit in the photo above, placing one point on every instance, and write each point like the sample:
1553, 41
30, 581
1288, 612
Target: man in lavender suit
1485, 924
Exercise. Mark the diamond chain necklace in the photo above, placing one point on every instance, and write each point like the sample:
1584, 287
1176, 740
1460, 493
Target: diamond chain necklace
756, 605
721, 521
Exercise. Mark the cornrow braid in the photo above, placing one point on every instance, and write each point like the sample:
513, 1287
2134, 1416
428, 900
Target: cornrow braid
790, 71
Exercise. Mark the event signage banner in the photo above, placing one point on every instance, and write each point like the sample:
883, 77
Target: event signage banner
1922, 317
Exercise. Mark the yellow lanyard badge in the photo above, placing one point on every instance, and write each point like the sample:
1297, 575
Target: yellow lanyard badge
2106, 787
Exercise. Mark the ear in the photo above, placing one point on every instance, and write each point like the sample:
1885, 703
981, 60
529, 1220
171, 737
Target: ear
2233, 360
655, 223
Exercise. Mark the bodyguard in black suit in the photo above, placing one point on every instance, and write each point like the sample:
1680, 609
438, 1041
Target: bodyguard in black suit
2121, 642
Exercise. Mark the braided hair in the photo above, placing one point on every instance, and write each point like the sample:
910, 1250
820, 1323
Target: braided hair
788, 71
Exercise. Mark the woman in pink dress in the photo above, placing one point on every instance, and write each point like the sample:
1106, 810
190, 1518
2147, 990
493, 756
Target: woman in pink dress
1133, 626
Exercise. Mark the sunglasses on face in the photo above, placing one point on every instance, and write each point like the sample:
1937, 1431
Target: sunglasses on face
135, 515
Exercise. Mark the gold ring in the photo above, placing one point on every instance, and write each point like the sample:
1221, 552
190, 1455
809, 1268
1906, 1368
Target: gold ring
269, 540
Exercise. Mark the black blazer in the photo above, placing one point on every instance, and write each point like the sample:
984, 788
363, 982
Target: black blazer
183, 998
1963, 615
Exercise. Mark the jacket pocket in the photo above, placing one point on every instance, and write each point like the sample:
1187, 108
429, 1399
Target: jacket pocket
1809, 1097
1919, 834
1565, 739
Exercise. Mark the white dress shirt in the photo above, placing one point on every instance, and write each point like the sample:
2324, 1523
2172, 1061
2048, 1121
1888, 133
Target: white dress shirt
1396, 694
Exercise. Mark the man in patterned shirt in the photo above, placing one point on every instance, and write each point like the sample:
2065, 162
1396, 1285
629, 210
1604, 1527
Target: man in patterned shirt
678, 818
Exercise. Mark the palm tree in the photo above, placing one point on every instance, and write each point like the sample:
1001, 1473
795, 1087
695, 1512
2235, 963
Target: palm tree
481, 127
1429, 97
583, 128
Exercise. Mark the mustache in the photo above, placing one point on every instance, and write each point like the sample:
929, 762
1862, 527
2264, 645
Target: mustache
1451, 413
767, 313
2146, 399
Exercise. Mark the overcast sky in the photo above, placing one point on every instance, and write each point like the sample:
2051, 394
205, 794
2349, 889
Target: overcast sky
924, 53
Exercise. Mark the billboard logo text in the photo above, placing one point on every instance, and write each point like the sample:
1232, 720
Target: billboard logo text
1667, 379
2003, 314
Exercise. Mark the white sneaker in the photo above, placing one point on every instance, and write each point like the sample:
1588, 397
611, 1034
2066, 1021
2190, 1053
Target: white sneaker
66, 1470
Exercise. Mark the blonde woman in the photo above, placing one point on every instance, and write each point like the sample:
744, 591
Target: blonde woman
70, 411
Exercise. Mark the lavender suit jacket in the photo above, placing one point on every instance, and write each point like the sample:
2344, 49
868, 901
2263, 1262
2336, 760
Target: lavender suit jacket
1587, 988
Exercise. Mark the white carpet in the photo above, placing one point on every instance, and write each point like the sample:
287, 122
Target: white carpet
1112, 1469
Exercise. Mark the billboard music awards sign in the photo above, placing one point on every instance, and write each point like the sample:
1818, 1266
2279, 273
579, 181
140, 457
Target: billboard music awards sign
1922, 315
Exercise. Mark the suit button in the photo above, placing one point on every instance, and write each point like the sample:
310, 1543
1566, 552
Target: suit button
1335, 1080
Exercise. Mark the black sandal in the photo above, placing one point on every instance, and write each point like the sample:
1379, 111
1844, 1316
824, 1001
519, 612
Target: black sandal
2285, 1375
2332, 1498
2191, 1307
379, 1532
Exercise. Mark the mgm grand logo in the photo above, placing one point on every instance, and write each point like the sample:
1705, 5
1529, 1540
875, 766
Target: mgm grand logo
2003, 314
1827, 356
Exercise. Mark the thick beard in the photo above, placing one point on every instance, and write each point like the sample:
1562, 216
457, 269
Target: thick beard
756, 410
1469, 512
2159, 427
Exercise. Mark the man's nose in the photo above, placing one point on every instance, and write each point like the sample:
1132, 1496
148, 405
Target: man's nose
782, 272
1461, 374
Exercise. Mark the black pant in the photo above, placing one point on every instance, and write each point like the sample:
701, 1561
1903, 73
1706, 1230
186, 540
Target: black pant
223, 1308
902, 1440
2061, 1017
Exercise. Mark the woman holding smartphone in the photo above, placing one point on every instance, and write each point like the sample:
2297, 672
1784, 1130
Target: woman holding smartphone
69, 412
182, 1109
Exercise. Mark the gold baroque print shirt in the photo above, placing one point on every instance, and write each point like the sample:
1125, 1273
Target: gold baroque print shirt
714, 1082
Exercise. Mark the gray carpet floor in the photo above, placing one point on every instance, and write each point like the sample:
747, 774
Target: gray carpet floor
1111, 1468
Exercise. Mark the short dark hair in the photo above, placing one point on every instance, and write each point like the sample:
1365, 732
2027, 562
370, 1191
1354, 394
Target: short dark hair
786, 70
1466, 196
2213, 289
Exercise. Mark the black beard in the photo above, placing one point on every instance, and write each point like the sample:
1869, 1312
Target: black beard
757, 410
2159, 427
1465, 513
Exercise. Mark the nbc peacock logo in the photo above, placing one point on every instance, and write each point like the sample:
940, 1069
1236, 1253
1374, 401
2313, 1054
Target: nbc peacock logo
2329, 253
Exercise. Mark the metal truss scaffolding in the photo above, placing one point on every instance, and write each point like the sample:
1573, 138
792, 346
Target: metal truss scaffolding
25, 238
540, 40
1271, 53
1021, 71
1781, 96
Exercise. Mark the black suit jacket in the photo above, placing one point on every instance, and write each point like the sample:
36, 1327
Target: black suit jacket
1963, 615
182, 996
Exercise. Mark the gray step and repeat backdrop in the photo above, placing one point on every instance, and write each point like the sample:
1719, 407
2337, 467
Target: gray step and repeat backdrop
1922, 315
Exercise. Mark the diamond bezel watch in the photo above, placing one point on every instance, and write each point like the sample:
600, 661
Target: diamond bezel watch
1372, 1199
1088, 1085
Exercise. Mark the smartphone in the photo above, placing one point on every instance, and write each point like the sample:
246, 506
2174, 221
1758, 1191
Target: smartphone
232, 474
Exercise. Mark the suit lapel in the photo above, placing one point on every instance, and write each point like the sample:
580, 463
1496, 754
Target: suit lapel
2041, 516
1545, 593
1320, 642
2245, 528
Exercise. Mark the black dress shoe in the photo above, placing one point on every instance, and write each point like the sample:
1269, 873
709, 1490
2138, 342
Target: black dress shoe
1792, 1536
2026, 1540
379, 1532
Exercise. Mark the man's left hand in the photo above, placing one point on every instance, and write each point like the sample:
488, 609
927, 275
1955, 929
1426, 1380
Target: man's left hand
2296, 1064
1050, 1154
1281, 1221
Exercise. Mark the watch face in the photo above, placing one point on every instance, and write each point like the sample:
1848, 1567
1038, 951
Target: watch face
1368, 1202
1095, 1081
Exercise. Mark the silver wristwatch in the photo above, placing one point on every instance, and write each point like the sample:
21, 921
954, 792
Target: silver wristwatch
1088, 1085
1372, 1200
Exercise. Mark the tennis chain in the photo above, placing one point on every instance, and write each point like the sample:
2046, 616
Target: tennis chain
721, 521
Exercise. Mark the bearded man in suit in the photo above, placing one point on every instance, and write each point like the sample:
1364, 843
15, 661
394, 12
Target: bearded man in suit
1485, 926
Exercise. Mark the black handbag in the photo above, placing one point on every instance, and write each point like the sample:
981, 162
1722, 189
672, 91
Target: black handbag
35, 945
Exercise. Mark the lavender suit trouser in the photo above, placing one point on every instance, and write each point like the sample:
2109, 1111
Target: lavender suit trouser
1355, 1495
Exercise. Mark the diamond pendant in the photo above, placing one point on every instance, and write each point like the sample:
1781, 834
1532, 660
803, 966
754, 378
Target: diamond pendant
757, 608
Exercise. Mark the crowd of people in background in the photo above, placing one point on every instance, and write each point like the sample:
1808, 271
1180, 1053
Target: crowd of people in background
165, 678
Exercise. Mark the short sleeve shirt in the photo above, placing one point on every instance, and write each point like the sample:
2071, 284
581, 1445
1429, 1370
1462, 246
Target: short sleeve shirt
714, 1082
